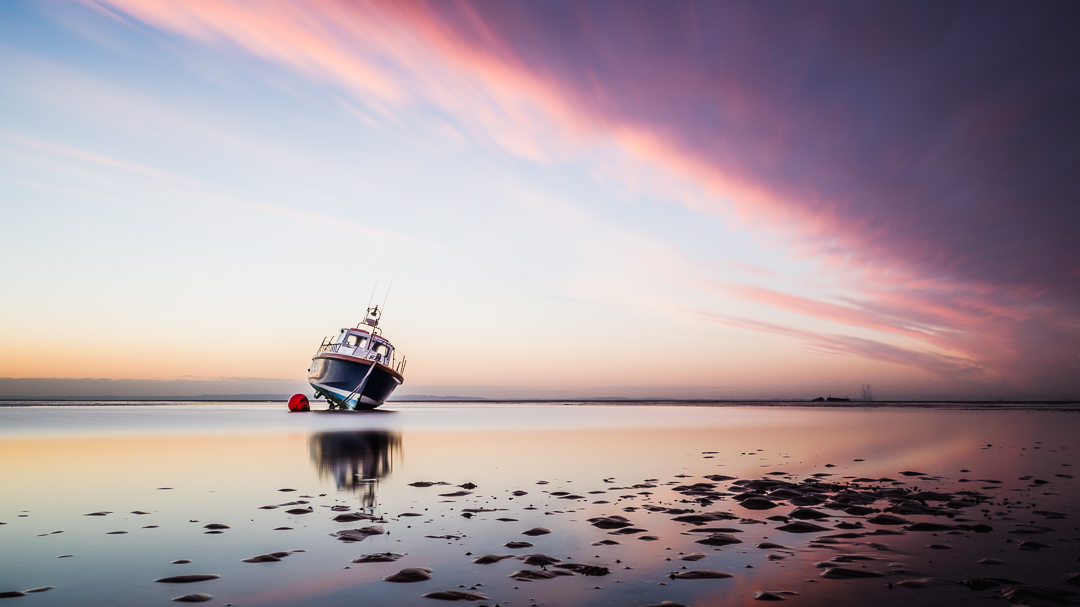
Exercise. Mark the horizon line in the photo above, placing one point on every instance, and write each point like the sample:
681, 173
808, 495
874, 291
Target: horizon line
266, 398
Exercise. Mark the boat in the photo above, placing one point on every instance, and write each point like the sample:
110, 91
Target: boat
358, 368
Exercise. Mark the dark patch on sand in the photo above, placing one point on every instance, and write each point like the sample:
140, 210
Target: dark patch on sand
378, 557
719, 539
888, 519
352, 517
843, 573
455, 595
187, 579
199, 597
585, 570
700, 574
489, 559
409, 575
758, 503
610, 522
802, 527
705, 517
919, 584
358, 535
272, 557
539, 560
772, 595
530, 575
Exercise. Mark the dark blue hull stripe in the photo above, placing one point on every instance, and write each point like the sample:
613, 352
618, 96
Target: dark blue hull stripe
336, 379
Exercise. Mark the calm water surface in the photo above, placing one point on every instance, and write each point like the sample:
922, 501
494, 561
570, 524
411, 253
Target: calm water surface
189, 466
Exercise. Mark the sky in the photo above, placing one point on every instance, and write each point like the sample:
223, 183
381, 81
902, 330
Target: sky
571, 199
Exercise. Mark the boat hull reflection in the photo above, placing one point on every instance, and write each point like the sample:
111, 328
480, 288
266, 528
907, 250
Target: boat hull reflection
356, 460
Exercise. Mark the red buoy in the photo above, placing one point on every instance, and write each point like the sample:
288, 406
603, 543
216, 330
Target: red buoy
298, 403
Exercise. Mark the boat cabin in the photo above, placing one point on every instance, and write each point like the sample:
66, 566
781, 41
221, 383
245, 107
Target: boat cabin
361, 344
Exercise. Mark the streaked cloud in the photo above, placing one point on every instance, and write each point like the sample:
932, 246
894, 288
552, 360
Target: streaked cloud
48, 151
919, 156
947, 367
921, 149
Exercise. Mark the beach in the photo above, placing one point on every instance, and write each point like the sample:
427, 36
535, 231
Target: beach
538, 504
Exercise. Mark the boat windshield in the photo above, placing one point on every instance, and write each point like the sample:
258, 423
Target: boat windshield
354, 341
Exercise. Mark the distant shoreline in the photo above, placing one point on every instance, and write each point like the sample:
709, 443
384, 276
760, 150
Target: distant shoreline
1054, 405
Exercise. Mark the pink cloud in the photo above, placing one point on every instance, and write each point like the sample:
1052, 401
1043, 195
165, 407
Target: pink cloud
926, 151
949, 367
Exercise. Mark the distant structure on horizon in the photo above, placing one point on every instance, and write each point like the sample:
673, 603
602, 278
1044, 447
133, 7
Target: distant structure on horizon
866, 393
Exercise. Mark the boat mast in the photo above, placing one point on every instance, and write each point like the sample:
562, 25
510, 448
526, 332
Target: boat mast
373, 317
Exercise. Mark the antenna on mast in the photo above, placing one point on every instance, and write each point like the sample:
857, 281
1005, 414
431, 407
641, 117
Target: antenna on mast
385, 297
372, 295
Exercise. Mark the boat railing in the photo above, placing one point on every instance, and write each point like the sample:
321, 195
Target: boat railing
326, 346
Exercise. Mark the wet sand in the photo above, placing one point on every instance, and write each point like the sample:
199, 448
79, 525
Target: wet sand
539, 505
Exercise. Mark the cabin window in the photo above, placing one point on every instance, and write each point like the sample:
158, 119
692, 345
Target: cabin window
382, 349
354, 341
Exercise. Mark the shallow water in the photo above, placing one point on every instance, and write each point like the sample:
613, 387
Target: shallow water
190, 466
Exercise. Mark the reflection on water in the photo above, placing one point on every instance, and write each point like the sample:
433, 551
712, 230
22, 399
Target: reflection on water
356, 460
479, 477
